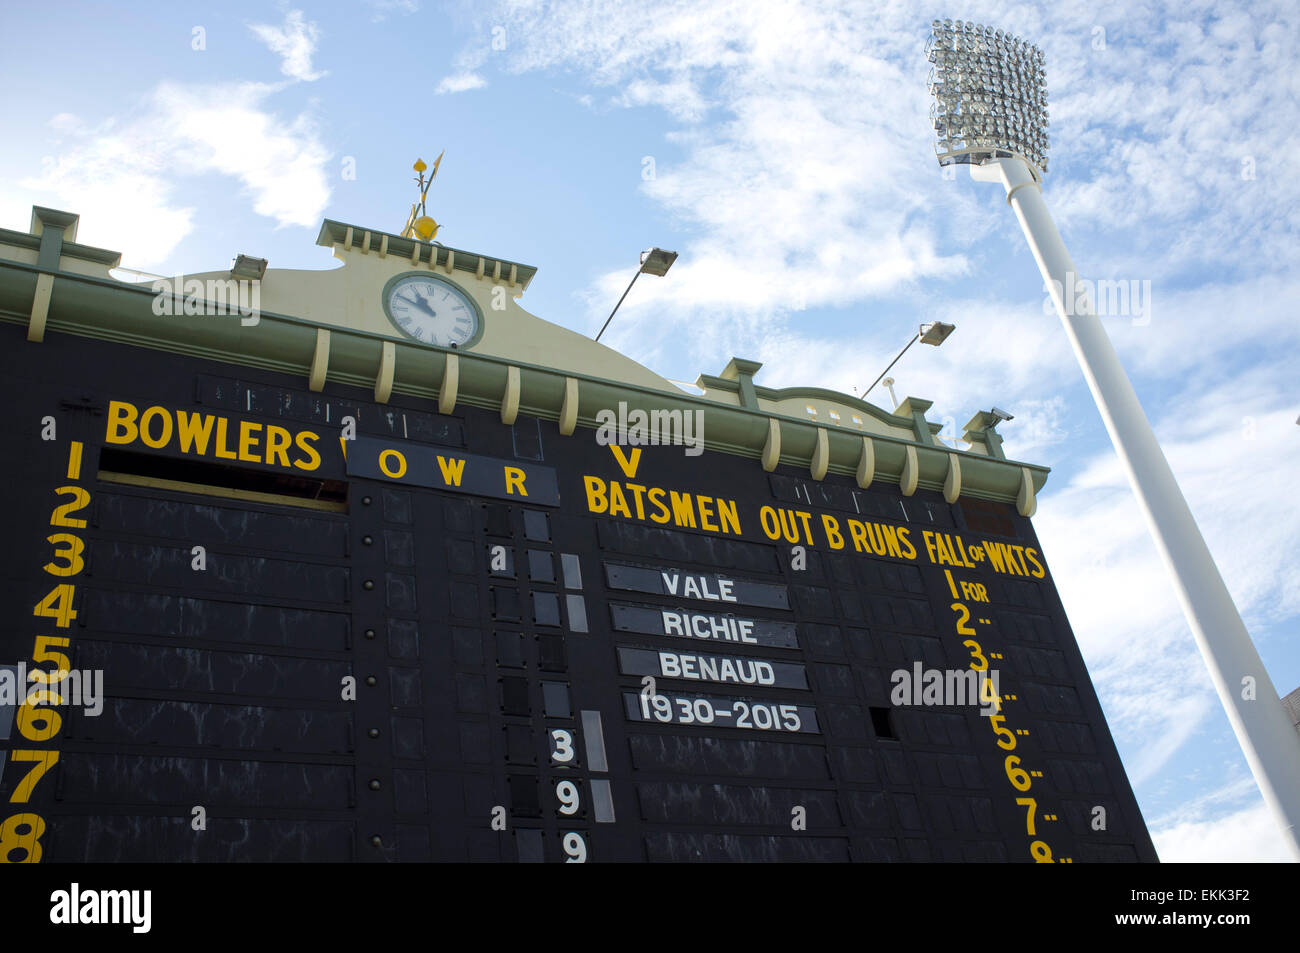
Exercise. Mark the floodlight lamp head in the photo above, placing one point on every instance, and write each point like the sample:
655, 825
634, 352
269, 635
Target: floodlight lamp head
656, 262
936, 332
990, 97
1000, 415
246, 267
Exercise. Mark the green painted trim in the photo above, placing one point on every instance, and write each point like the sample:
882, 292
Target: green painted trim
9, 236
47, 259
821, 393
124, 313
335, 233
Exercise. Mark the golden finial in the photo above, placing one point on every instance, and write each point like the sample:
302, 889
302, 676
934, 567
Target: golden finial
418, 223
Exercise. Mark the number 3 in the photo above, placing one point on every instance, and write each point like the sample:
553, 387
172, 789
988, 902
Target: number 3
561, 746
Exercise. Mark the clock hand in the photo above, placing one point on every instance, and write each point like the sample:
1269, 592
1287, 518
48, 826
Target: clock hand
423, 304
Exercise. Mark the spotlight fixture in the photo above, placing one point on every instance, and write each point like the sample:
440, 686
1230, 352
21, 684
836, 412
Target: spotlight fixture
990, 96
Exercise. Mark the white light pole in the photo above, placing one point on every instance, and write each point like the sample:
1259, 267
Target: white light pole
990, 111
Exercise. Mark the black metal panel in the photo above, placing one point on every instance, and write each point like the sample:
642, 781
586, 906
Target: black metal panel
415, 674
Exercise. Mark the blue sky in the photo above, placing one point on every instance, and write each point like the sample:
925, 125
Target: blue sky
784, 150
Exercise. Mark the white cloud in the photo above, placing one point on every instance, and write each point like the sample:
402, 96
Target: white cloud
460, 83
294, 42
1230, 824
383, 7
122, 175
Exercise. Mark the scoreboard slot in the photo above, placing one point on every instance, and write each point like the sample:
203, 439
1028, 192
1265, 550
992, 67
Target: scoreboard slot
222, 785
679, 847
726, 757
170, 567
108, 837
734, 805
683, 547
204, 724
181, 475
129, 515
143, 612
176, 669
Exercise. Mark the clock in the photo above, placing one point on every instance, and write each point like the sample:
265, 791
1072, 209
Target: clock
432, 311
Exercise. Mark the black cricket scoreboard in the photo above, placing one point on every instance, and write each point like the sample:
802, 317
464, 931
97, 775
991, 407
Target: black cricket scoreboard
243, 621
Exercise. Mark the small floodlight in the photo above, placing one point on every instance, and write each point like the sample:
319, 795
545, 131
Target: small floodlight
936, 332
246, 266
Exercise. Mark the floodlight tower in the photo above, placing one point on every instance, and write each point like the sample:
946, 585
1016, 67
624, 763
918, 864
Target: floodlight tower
990, 111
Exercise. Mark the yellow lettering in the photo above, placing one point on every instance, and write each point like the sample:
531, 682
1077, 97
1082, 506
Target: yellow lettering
638, 491
248, 439
683, 512
220, 449
393, 470
928, 537
277, 442
453, 470
727, 514
657, 501
832, 527
193, 431
994, 552
596, 501
626, 462
121, 422
909, 551
858, 532
147, 438
805, 518
706, 514
617, 502
1038, 572
515, 480
891, 540
304, 440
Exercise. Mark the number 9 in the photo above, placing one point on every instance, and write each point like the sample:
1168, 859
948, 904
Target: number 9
567, 793
575, 847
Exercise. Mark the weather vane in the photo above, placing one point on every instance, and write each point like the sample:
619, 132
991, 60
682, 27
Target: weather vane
418, 223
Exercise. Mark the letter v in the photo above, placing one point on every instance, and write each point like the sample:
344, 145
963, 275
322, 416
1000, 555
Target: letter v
625, 463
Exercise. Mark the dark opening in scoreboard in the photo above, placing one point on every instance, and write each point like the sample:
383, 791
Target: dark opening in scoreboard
329, 629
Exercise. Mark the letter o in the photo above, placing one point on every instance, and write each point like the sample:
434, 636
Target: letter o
401, 464
771, 523
145, 438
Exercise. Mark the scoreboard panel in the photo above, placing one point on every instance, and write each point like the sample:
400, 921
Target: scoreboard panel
308, 626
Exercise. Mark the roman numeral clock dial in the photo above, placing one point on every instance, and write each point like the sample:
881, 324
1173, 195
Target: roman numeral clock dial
432, 311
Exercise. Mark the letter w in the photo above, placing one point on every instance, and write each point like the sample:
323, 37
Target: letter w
452, 470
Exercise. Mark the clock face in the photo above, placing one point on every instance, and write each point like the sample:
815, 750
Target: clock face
432, 311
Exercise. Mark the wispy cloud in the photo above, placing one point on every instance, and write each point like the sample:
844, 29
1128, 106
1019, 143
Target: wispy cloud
123, 174
294, 42
1223, 825
382, 8
460, 83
